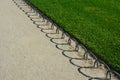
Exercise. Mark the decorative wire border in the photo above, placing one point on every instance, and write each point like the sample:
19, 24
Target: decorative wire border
33, 11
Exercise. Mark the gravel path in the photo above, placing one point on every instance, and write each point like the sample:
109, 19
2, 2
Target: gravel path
27, 54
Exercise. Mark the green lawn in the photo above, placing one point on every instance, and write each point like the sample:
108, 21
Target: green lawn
95, 23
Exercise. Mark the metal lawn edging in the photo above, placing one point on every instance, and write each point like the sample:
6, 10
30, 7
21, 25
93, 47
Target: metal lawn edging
36, 12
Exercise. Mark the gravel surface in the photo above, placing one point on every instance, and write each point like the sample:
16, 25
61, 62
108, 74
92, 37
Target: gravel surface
26, 53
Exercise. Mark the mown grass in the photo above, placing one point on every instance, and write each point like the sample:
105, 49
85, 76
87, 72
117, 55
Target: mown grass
95, 23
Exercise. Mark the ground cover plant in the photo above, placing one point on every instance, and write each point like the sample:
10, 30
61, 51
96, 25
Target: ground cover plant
95, 23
